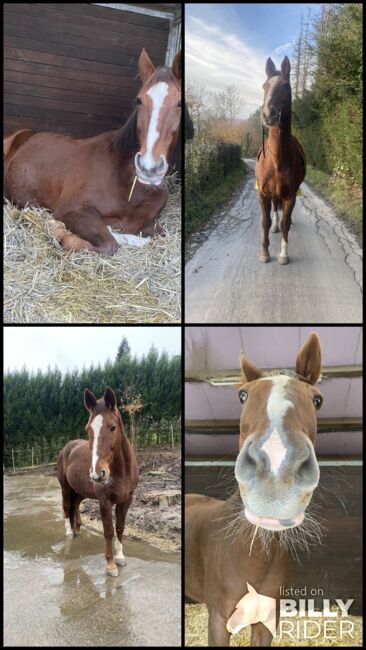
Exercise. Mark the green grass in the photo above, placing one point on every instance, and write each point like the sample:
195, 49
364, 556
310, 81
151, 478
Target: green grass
200, 205
344, 198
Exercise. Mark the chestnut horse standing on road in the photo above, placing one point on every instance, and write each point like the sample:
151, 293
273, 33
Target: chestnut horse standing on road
237, 550
103, 468
281, 166
87, 183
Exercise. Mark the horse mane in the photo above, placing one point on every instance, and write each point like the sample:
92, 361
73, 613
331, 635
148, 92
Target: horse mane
125, 141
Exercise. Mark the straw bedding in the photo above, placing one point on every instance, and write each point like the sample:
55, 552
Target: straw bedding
43, 283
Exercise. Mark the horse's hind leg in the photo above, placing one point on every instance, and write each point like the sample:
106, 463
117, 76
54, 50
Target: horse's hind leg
78, 521
67, 504
121, 512
88, 231
288, 206
275, 227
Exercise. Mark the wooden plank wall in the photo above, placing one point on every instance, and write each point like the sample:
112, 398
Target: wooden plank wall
336, 566
72, 68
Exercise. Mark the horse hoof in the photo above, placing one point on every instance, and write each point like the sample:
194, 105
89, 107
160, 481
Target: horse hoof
121, 561
112, 572
264, 258
283, 260
275, 229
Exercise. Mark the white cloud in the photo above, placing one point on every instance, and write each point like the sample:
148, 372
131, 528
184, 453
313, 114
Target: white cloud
217, 58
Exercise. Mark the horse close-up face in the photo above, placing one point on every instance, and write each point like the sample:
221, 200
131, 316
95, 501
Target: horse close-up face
158, 118
276, 468
277, 93
103, 429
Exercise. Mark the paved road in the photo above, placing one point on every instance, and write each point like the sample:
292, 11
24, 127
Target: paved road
56, 592
226, 283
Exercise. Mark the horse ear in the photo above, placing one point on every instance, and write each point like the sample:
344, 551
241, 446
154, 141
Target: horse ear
270, 67
177, 66
286, 67
109, 398
249, 371
90, 401
308, 362
146, 66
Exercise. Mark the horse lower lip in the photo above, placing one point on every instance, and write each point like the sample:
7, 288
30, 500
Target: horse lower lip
271, 523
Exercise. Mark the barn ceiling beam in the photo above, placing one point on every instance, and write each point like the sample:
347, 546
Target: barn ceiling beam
233, 377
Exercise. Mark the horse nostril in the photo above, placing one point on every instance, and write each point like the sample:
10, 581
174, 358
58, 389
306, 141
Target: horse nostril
103, 474
161, 166
272, 111
138, 161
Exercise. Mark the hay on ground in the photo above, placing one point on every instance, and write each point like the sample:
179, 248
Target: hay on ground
43, 283
196, 621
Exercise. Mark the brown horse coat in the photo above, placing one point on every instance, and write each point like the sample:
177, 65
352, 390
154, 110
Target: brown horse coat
274, 489
86, 183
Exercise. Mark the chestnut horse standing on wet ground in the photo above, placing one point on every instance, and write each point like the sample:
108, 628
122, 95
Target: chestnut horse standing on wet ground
281, 166
87, 184
103, 468
237, 550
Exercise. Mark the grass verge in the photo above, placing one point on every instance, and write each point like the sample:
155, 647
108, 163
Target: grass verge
346, 200
200, 205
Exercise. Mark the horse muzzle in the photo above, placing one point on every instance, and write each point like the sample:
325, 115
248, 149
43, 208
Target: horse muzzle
272, 523
148, 171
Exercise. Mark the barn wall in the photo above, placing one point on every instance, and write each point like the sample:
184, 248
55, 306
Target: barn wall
71, 68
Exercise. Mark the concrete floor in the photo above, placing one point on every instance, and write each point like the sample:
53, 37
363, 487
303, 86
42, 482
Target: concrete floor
56, 591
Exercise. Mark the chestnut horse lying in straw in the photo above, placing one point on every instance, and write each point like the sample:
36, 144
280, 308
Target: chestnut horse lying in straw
237, 550
89, 184
281, 166
105, 468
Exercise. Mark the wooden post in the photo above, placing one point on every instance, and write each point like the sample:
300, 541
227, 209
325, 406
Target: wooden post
32, 456
12, 455
172, 432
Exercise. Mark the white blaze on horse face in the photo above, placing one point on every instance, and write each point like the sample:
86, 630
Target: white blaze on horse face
96, 425
158, 92
275, 450
277, 407
272, 84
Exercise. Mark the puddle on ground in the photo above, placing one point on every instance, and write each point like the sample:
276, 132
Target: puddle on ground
62, 580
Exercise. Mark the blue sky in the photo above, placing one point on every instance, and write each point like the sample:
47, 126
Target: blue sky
230, 43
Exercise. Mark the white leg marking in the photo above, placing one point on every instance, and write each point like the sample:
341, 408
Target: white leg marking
157, 94
68, 527
284, 245
275, 218
96, 425
118, 549
129, 240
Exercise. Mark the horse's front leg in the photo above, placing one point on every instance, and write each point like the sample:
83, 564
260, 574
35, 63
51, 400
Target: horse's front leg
275, 227
106, 514
287, 207
217, 633
266, 224
260, 636
121, 512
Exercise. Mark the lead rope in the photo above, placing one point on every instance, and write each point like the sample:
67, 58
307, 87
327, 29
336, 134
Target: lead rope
251, 544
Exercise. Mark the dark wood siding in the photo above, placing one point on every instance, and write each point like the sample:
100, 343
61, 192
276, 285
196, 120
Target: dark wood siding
336, 566
72, 68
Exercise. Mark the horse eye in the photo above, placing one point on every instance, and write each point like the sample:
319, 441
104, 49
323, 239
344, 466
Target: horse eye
318, 401
179, 104
113, 428
243, 395
138, 101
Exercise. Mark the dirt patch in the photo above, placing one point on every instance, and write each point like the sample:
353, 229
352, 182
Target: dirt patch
155, 514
